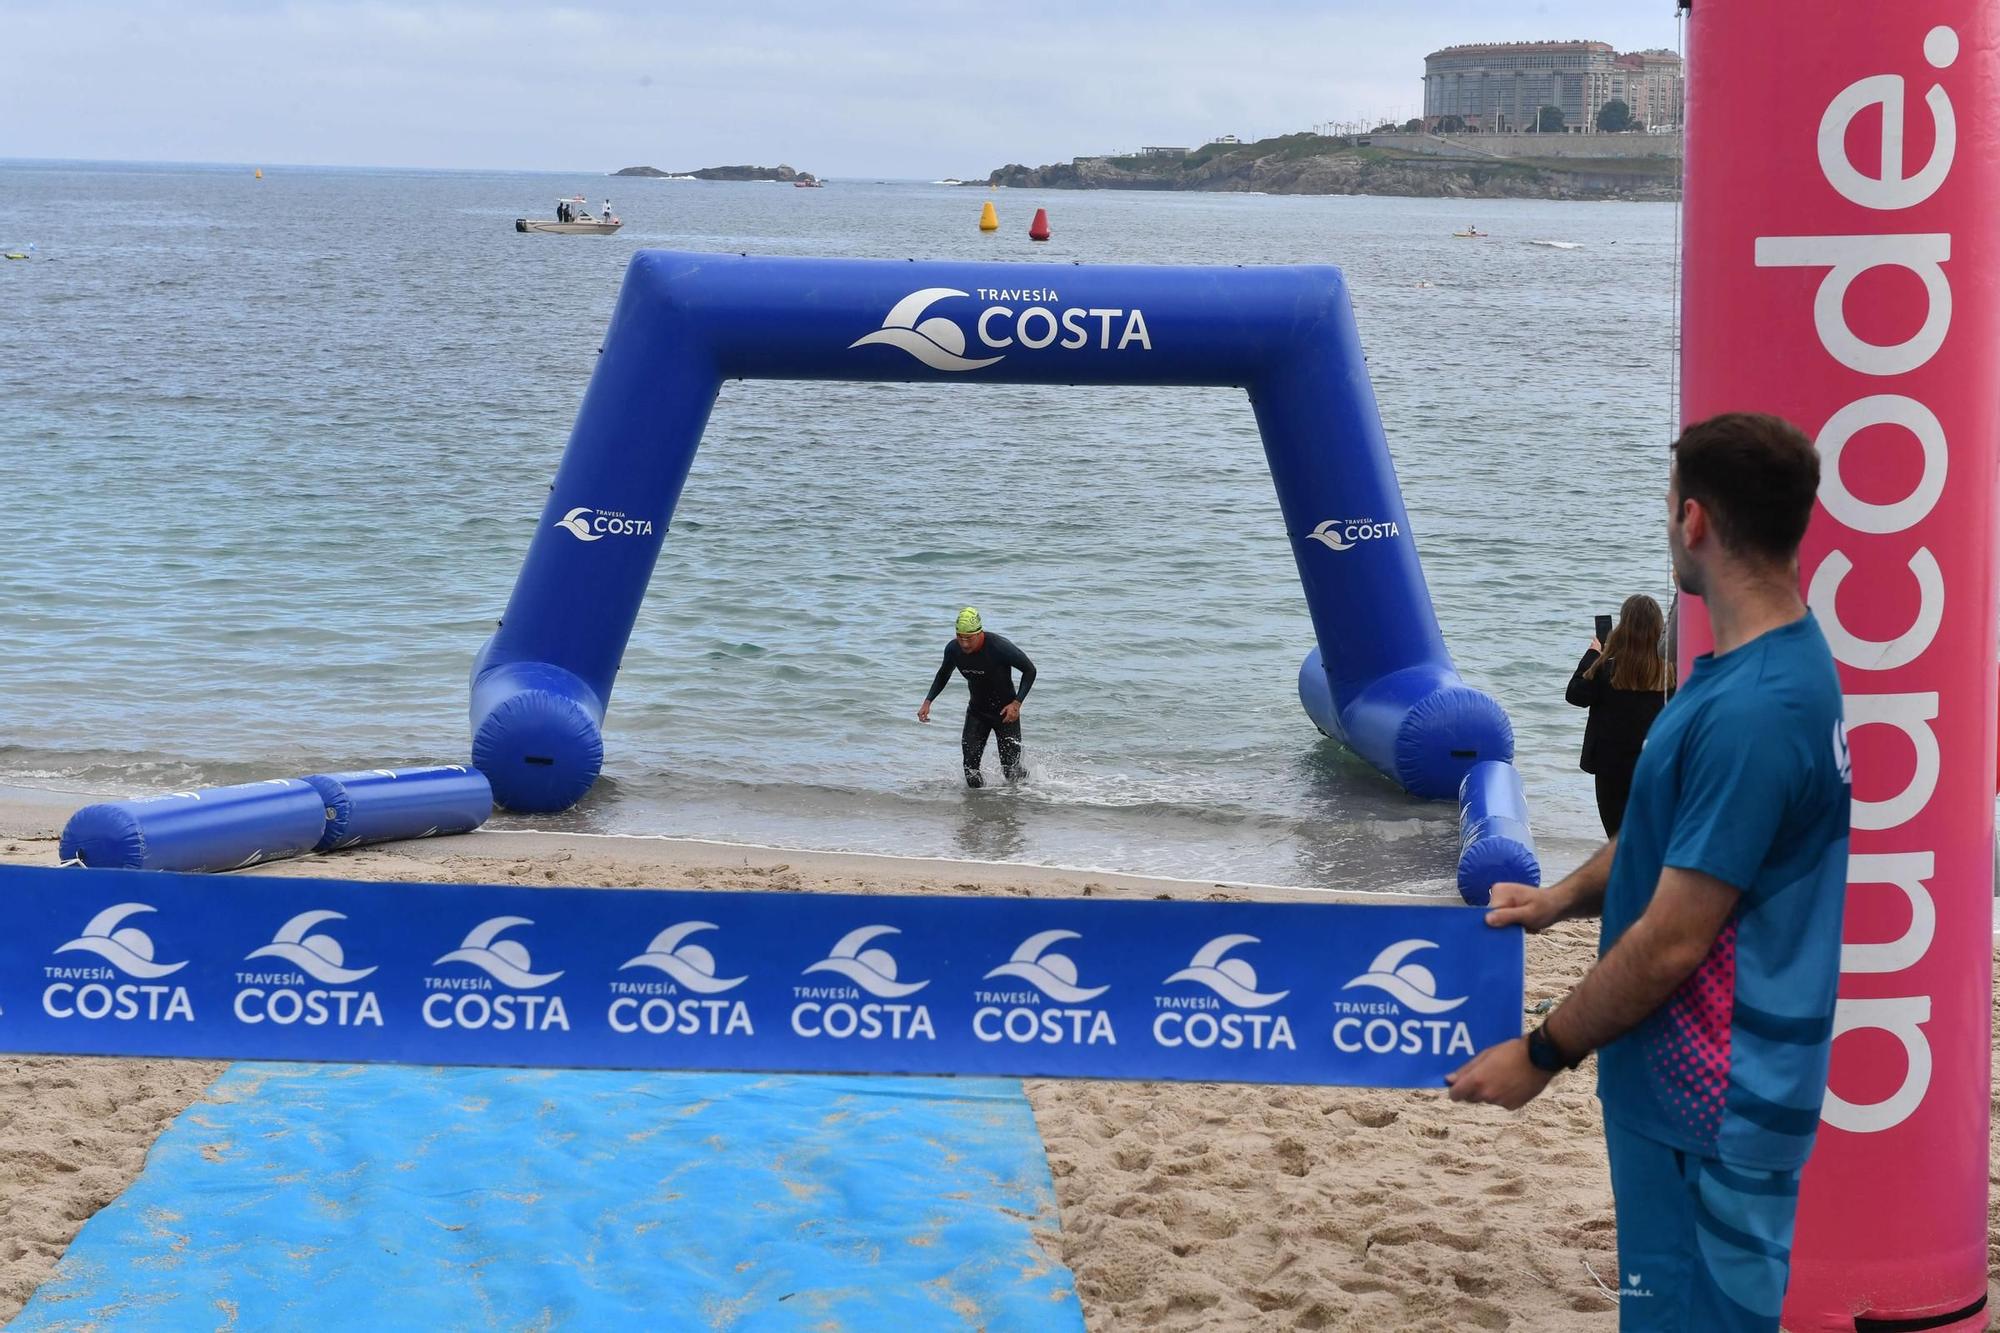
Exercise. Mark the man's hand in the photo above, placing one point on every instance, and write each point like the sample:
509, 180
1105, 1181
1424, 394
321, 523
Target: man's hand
1012, 712
924, 711
1500, 1075
1533, 910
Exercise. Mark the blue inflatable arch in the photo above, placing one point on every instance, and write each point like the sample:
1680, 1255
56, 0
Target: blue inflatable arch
1379, 678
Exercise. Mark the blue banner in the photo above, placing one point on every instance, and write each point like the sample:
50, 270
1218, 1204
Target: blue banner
124, 962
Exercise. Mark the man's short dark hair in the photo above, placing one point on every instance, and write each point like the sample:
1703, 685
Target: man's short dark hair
1756, 475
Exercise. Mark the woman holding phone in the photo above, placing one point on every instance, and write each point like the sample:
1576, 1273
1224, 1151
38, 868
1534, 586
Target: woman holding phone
1622, 680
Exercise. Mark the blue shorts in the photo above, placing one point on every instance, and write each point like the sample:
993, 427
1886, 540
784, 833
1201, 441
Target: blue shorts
1701, 1245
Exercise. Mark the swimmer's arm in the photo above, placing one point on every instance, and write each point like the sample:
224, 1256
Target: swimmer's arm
1647, 964
1579, 894
1027, 670
943, 677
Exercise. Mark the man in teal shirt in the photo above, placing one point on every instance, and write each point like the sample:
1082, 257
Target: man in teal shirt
1711, 1004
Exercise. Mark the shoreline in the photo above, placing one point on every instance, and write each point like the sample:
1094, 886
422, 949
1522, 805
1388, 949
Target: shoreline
28, 812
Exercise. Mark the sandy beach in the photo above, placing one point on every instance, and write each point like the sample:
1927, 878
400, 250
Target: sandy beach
1183, 1205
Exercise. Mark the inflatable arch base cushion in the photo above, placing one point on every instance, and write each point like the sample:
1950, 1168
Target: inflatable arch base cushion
537, 733
1439, 738
1421, 726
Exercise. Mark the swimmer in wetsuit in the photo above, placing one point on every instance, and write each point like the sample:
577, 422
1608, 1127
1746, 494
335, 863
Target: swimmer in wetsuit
988, 663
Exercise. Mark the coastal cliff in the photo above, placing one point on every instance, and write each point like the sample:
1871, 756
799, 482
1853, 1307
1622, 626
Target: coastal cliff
1315, 164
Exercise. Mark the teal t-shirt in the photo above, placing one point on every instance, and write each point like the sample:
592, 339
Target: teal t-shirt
1744, 777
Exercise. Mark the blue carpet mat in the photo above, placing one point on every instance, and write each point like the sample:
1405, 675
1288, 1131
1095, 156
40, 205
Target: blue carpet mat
379, 1197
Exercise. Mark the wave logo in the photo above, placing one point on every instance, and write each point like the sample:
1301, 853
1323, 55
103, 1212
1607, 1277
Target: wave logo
318, 956
937, 342
506, 961
1053, 974
690, 964
874, 970
577, 522
1328, 534
127, 948
1231, 978
1409, 984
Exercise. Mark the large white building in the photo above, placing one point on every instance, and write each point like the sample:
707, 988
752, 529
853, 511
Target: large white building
1651, 84
1502, 87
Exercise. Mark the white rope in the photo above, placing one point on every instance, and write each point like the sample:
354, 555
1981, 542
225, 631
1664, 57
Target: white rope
1680, 195
1674, 342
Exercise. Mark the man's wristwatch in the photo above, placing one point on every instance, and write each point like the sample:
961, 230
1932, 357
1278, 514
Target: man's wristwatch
1545, 1055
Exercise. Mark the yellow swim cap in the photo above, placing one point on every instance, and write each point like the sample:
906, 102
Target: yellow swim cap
968, 620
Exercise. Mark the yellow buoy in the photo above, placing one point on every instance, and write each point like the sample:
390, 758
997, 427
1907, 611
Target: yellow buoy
988, 219
260, 173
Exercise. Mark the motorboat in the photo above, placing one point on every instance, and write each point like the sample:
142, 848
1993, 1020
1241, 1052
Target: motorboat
573, 218
807, 181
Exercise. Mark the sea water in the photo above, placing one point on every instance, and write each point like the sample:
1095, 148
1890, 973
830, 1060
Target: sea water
272, 452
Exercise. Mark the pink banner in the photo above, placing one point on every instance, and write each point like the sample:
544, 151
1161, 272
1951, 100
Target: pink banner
1843, 271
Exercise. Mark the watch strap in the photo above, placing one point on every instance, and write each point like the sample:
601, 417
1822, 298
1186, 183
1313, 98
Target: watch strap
1544, 1054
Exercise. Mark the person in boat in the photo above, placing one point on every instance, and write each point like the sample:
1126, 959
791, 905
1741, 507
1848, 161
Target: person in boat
607, 211
562, 210
988, 663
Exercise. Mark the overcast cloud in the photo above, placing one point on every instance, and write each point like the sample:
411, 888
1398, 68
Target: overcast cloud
889, 89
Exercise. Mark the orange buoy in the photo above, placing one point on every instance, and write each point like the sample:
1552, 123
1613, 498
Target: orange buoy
988, 219
1038, 230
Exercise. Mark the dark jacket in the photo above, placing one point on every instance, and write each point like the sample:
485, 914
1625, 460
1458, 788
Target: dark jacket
1619, 719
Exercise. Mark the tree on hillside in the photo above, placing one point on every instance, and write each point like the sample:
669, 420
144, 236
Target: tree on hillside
1549, 120
1614, 117
1414, 125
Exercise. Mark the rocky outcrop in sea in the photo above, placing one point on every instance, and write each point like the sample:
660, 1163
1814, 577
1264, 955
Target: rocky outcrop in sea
781, 172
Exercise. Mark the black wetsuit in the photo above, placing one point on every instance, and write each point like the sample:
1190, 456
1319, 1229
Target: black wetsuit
989, 674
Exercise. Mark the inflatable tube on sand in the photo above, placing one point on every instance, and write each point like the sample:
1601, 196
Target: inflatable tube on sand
1494, 844
388, 804
216, 828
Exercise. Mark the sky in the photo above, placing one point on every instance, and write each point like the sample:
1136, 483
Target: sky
880, 88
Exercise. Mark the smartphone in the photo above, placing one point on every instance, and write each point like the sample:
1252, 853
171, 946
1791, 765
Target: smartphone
1604, 629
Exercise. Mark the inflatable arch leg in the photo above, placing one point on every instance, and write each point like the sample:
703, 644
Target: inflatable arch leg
1840, 273
1380, 679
